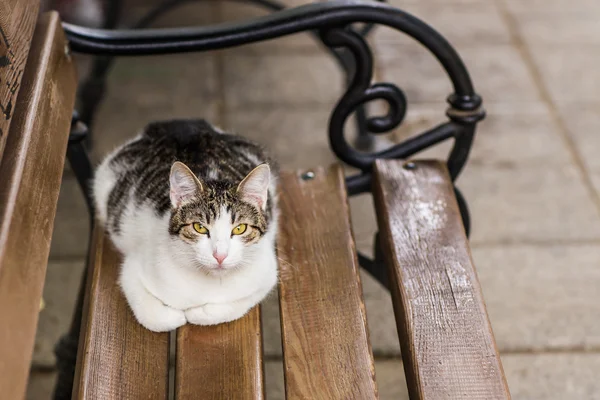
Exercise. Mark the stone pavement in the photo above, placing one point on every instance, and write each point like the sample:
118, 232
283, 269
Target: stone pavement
532, 182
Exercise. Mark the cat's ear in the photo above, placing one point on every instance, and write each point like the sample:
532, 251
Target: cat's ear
254, 188
184, 184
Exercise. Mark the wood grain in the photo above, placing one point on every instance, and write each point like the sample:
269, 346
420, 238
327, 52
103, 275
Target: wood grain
327, 354
17, 22
220, 362
31, 172
118, 358
447, 343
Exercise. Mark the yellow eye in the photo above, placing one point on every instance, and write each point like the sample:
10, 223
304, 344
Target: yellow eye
238, 230
199, 228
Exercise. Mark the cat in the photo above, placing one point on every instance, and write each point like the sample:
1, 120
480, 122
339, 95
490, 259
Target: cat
194, 212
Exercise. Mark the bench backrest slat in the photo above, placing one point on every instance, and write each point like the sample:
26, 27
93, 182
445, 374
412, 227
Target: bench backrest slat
30, 176
220, 362
17, 23
447, 344
118, 358
326, 346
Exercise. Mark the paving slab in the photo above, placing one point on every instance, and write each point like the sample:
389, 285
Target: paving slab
522, 136
512, 204
274, 382
582, 122
550, 6
298, 43
498, 73
145, 89
462, 23
571, 26
380, 318
378, 302
542, 297
253, 81
198, 13
60, 294
40, 386
391, 380
71, 224
297, 136
271, 325
569, 71
553, 376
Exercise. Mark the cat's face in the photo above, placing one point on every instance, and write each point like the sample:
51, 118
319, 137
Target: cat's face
218, 225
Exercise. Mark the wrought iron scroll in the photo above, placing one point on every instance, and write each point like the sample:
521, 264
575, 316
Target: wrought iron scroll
332, 20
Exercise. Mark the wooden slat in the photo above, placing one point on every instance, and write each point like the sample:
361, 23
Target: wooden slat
327, 354
447, 343
220, 362
17, 22
30, 176
118, 358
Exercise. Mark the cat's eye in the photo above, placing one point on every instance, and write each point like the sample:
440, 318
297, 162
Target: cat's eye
238, 230
200, 228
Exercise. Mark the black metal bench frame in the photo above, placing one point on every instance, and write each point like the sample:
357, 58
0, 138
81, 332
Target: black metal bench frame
332, 23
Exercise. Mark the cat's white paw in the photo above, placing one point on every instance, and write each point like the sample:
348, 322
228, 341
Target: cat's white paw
160, 318
213, 314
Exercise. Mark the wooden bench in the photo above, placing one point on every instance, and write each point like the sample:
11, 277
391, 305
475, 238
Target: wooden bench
447, 343
37, 94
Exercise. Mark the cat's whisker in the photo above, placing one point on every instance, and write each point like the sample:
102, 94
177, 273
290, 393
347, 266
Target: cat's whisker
287, 263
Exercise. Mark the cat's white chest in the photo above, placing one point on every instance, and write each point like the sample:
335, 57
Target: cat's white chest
184, 288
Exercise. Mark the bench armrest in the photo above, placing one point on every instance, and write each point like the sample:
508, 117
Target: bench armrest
31, 171
447, 343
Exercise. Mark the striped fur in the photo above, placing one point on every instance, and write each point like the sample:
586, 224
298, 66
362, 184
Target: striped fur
221, 161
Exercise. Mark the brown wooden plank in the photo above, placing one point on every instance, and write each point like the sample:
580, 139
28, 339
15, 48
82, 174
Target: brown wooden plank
447, 343
17, 22
30, 176
118, 358
221, 361
327, 354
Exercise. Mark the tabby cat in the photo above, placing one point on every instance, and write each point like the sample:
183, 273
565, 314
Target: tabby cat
194, 212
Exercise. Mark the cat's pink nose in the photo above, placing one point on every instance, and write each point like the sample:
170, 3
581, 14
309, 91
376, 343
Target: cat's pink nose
220, 257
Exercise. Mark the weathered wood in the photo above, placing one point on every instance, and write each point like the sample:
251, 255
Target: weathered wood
17, 22
220, 362
30, 176
118, 358
447, 342
327, 354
